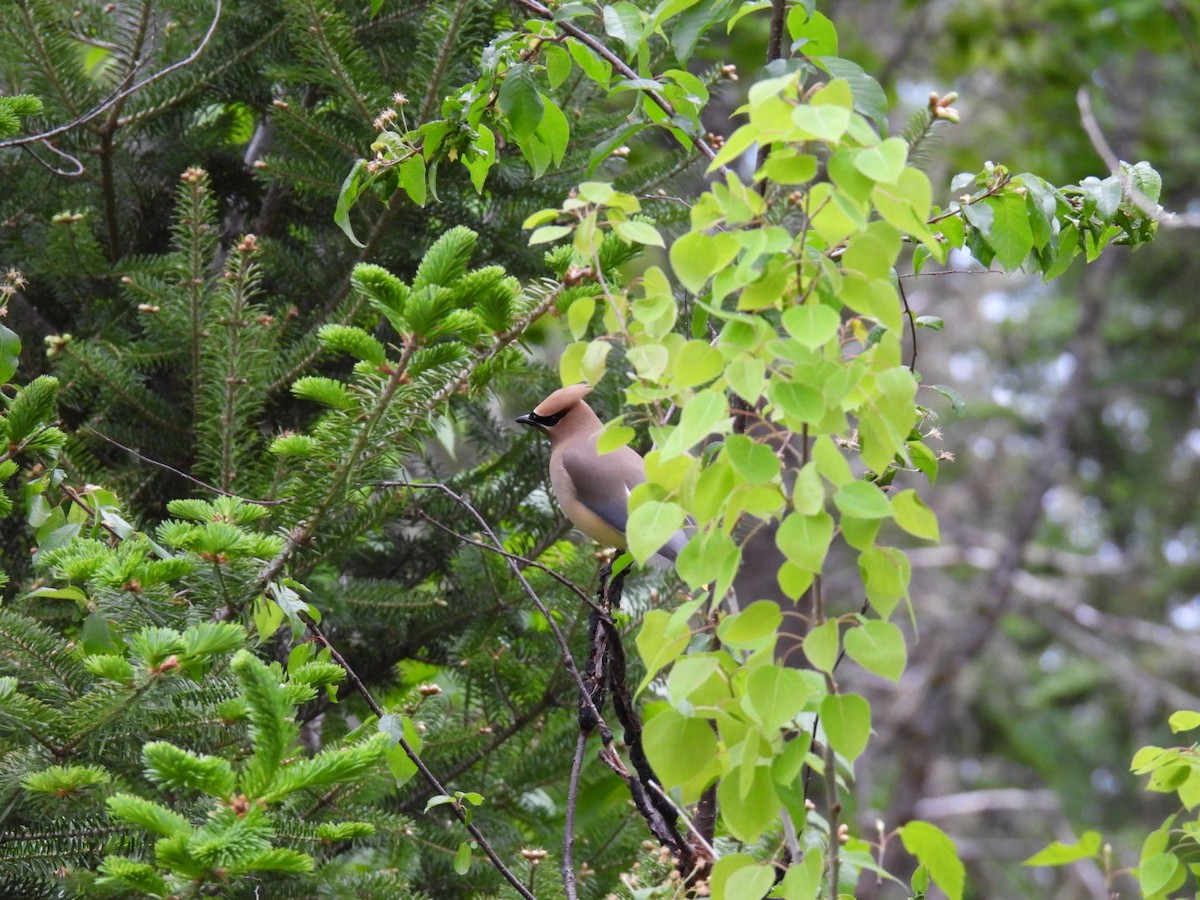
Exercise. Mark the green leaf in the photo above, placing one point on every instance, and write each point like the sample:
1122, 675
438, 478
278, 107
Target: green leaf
554, 131
805, 540
481, 157
748, 377
623, 21
695, 363
936, 852
846, 720
774, 695
957, 402
411, 173
462, 858
813, 325
558, 64
747, 814
695, 256
803, 879
549, 233
878, 647
1059, 854
579, 316
813, 32
1184, 720
693, 674
753, 627
520, 102
399, 763
755, 462
821, 646
708, 557
707, 413
885, 572
821, 123
869, 98
798, 401
1159, 874
785, 168
738, 876
639, 233
593, 66
914, 516
352, 187
659, 641
884, 162
10, 353
862, 500
683, 751
649, 361
1010, 234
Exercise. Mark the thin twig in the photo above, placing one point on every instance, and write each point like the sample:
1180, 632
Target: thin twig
525, 561
185, 475
709, 848
952, 272
61, 154
568, 857
912, 326
428, 775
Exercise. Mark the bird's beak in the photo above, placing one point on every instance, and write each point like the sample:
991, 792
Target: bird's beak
529, 420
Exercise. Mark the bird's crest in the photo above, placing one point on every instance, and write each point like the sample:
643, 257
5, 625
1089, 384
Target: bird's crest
563, 398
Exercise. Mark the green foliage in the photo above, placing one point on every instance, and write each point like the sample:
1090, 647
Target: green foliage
13, 108
246, 413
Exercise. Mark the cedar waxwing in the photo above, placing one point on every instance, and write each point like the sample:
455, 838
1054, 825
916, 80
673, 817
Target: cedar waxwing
592, 488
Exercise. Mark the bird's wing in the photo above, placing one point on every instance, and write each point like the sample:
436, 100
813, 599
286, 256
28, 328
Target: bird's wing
603, 483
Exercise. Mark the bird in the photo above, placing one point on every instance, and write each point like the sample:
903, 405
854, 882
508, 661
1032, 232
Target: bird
591, 487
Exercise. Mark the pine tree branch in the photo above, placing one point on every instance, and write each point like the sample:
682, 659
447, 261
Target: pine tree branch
49, 71
122, 92
445, 51
202, 83
333, 59
135, 63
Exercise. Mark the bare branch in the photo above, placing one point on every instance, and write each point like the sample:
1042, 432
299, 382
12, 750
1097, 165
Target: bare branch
61, 154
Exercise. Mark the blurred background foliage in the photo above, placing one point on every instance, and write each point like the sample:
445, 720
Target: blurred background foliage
1061, 616
1059, 620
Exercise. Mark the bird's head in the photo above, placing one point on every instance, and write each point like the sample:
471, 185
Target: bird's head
551, 416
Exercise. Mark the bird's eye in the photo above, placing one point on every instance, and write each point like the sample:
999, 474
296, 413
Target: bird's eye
549, 421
